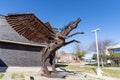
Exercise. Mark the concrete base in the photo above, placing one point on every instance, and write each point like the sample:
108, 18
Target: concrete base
57, 75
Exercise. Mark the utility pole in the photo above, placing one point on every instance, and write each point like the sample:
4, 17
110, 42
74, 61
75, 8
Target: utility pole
99, 72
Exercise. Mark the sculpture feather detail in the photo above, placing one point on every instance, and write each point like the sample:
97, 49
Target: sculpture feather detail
29, 26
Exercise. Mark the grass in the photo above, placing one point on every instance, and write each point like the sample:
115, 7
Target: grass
111, 73
1, 76
106, 72
81, 68
18, 75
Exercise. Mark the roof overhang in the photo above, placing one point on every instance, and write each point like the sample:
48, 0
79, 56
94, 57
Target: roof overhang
22, 43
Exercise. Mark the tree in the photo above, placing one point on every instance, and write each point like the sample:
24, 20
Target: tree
79, 52
101, 47
104, 57
115, 58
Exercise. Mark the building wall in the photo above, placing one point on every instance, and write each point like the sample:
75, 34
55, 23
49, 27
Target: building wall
19, 55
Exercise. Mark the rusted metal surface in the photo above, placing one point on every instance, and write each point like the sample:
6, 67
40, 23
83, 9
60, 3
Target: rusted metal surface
29, 26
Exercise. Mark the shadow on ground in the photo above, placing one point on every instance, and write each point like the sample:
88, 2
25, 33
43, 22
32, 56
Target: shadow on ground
61, 65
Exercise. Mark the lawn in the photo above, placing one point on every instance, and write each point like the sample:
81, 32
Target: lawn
111, 73
1, 75
82, 68
18, 75
106, 72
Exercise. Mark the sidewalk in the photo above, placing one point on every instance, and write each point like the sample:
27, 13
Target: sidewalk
71, 75
80, 76
113, 68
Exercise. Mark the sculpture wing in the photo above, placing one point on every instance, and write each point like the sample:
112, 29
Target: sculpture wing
29, 26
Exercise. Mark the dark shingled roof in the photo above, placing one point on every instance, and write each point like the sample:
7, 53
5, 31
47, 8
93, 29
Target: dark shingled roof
8, 33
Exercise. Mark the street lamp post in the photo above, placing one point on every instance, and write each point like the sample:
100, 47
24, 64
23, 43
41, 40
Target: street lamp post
99, 72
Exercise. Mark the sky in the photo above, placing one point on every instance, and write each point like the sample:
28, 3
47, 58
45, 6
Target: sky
103, 14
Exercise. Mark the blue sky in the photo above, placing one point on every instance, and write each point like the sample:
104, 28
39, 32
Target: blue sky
104, 14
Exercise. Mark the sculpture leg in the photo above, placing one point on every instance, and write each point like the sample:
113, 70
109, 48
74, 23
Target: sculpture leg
44, 67
52, 62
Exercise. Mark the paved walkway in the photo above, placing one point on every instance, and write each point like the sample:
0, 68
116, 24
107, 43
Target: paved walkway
79, 76
71, 75
113, 68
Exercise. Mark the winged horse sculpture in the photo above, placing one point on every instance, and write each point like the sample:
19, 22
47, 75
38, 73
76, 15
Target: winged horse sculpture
29, 26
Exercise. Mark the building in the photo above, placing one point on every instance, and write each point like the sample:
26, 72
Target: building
67, 58
16, 50
113, 49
